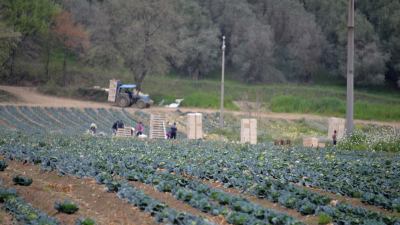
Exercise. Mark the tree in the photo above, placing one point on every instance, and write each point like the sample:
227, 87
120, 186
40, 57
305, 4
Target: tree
385, 17
297, 37
331, 17
8, 41
71, 35
28, 18
144, 32
198, 42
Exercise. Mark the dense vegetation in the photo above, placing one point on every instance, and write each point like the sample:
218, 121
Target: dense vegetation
66, 42
268, 173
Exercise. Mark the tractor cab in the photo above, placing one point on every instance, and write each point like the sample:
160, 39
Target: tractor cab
125, 95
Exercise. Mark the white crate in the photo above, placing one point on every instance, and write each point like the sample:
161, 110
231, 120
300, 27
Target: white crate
310, 142
337, 124
194, 126
248, 132
112, 90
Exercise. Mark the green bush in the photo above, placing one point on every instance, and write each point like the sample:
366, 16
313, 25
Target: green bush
324, 219
21, 180
377, 140
85, 221
66, 207
3, 165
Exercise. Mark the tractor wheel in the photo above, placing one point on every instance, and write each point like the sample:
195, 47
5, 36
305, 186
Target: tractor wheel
141, 104
123, 101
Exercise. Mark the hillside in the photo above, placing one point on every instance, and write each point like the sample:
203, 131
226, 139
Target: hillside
267, 41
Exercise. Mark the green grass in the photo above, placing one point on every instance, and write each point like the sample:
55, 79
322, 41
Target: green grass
322, 99
207, 100
333, 106
6, 97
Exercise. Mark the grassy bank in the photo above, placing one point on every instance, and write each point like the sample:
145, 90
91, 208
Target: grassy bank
325, 100
328, 100
331, 106
7, 97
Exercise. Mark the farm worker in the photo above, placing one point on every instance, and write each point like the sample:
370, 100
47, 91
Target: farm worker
334, 137
120, 124
115, 127
139, 129
93, 128
173, 131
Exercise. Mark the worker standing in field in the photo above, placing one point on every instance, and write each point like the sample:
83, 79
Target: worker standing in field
93, 128
139, 129
334, 138
173, 131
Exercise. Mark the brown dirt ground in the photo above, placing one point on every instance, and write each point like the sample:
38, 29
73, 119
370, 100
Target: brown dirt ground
30, 97
5, 217
93, 200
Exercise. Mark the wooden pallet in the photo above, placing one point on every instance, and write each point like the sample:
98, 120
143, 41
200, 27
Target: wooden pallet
124, 132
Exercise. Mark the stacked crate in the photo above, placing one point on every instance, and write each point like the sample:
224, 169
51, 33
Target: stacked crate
124, 132
112, 91
248, 132
194, 126
311, 142
157, 126
337, 124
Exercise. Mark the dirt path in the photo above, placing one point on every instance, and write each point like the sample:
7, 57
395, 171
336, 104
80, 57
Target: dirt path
5, 217
94, 202
30, 97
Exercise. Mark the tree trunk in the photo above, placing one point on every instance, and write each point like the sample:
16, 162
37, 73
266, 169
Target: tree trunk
64, 79
139, 80
47, 61
12, 62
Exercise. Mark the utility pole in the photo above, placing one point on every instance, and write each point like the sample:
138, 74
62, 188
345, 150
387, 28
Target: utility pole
350, 69
221, 114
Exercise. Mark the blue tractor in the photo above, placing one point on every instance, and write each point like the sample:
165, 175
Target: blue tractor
125, 95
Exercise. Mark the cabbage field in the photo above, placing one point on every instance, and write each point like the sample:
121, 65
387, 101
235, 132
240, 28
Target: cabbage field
222, 183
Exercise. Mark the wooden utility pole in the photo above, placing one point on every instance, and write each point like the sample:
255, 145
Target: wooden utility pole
221, 114
350, 69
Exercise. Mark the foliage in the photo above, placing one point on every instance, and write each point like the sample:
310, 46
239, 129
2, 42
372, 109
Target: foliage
66, 206
334, 107
85, 221
3, 165
22, 211
383, 139
273, 41
29, 17
261, 170
324, 219
21, 180
205, 100
69, 33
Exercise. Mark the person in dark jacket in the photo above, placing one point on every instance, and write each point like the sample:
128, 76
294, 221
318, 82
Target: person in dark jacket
115, 127
334, 138
120, 124
173, 131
